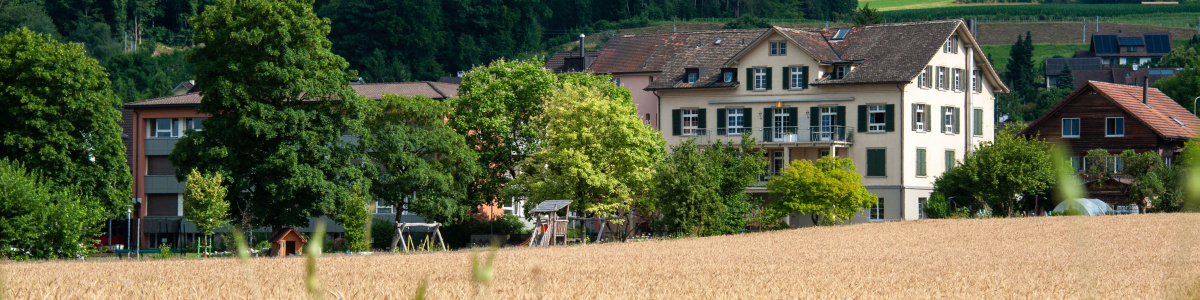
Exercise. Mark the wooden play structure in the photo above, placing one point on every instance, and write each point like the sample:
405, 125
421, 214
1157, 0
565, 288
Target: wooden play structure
550, 228
287, 242
431, 227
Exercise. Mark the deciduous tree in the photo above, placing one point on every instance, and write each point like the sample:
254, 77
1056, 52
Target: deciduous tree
829, 188
280, 102
61, 119
703, 191
42, 220
204, 202
998, 172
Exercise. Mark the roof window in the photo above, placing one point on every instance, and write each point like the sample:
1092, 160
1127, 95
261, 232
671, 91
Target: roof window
841, 34
1177, 121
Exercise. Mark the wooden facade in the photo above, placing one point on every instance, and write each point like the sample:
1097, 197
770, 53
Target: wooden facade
287, 242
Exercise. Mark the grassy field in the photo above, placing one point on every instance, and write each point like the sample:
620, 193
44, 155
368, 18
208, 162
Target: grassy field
1041, 52
1112, 257
889, 5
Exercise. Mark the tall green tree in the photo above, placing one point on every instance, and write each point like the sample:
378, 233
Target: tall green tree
495, 112
42, 220
997, 172
604, 166
867, 16
1066, 80
423, 165
204, 202
829, 190
61, 119
280, 101
702, 191
1147, 183
1184, 87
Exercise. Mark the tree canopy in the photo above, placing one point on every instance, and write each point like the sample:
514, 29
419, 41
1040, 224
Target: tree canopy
204, 202
40, 219
703, 191
998, 171
280, 101
829, 190
61, 119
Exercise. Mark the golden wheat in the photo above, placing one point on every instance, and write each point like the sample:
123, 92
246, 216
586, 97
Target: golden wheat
1110, 257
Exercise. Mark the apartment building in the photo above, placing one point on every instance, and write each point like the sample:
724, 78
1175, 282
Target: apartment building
905, 101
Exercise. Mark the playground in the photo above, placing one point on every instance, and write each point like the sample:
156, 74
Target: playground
1114, 257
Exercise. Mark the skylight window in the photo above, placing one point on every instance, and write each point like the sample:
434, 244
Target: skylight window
841, 34
1178, 122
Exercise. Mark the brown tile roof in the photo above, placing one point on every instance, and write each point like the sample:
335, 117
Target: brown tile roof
631, 53
812, 42
1157, 114
557, 63
702, 51
889, 53
435, 90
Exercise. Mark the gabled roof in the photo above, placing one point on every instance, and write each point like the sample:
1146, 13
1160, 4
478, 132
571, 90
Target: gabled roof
434, 90
1157, 114
557, 63
702, 51
286, 232
631, 53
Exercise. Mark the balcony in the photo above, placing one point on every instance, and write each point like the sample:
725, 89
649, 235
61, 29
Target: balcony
780, 135
163, 184
160, 146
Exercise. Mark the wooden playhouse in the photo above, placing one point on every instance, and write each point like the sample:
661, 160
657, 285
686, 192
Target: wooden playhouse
287, 242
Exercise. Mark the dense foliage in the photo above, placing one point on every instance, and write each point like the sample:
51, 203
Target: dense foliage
204, 202
1033, 12
280, 101
829, 190
1000, 176
61, 119
40, 219
701, 191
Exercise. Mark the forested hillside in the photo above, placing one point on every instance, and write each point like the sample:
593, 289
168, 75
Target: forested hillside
383, 40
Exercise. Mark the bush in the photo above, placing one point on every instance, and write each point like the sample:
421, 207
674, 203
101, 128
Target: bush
164, 251
459, 235
1072, 212
382, 233
39, 220
747, 22
937, 207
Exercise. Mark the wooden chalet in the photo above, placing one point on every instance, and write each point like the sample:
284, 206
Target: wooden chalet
287, 242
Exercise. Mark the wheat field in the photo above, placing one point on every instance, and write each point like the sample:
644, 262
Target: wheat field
1108, 257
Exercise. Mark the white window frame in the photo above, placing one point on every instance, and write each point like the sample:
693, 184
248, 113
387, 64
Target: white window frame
839, 72
946, 46
923, 80
1121, 128
379, 207
919, 116
877, 211
778, 48
760, 79
976, 83
728, 76
690, 121
797, 77
735, 120
692, 76
1066, 134
942, 78
921, 203
872, 125
948, 119
154, 128
957, 80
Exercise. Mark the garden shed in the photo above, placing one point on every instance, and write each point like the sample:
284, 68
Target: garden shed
287, 242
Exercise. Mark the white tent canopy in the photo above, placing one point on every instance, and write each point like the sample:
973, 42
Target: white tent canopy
1089, 207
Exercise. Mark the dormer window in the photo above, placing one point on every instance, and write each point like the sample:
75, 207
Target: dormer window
692, 74
778, 48
728, 74
839, 72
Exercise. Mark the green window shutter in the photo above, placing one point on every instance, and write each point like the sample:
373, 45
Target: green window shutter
787, 78
749, 79
928, 118
795, 113
957, 120
889, 118
768, 117
747, 118
703, 118
978, 120
862, 118
768, 81
814, 116
876, 161
841, 116
676, 122
805, 71
920, 162
914, 118
720, 118
942, 120
949, 160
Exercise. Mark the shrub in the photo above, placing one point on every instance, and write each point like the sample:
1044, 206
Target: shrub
164, 251
382, 233
937, 207
459, 235
1072, 212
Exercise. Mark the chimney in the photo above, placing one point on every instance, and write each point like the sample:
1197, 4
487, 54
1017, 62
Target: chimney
1146, 91
581, 45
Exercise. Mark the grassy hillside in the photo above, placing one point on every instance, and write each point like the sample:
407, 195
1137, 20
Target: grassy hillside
1149, 256
890, 5
1041, 52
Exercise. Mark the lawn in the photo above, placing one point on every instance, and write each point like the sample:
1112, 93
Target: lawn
1041, 52
887, 5
1150, 256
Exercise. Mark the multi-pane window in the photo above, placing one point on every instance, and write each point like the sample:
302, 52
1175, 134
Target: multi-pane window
839, 72
954, 44
946, 46
691, 77
382, 207
976, 84
919, 116
1114, 127
950, 120
778, 48
797, 77
876, 121
777, 163
1070, 127
921, 201
728, 76
760, 78
691, 121
735, 120
958, 79
163, 128
195, 124
877, 211
943, 78
1131, 49
926, 78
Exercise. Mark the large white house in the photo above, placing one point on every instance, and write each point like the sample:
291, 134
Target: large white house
905, 101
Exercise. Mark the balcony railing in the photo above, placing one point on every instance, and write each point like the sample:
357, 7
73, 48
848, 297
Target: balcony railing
777, 135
